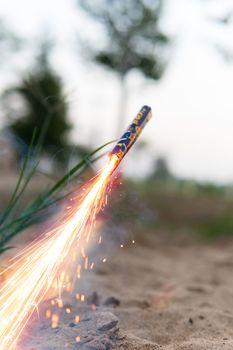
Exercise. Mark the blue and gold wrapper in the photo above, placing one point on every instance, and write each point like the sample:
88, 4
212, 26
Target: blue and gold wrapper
126, 141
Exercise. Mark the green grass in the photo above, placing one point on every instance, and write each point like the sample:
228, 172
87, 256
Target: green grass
155, 204
12, 223
220, 226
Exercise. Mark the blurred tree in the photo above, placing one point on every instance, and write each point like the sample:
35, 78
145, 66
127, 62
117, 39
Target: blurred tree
9, 42
161, 170
223, 19
38, 102
133, 39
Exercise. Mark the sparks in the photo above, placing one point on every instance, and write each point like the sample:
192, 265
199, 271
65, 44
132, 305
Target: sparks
43, 264
36, 269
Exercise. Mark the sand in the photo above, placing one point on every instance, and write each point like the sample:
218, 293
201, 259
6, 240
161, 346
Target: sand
174, 293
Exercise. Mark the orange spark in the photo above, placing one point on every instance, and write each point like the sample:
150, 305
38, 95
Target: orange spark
77, 319
86, 263
68, 310
37, 268
54, 321
79, 271
60, 303
48, 314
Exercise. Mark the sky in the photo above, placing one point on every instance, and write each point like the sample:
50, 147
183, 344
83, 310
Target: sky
192, 105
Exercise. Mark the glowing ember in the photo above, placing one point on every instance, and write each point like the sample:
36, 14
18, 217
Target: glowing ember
48, 314
54, 321
77, 319
60, 303
78, 339
36, 269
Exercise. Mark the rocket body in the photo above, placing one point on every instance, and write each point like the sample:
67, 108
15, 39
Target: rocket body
126, 141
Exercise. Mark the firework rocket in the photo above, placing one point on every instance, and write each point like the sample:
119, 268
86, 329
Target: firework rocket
127, 140
34, 272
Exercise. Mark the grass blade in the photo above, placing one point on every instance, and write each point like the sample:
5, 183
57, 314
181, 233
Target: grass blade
15, 196
45, 200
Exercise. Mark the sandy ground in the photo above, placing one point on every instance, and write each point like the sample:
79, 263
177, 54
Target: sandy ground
167, 291
174, 293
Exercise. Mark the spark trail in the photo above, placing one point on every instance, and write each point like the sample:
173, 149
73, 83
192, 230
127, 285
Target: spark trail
36, 269
38, 266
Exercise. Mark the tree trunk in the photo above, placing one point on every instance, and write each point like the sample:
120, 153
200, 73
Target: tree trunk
122, 106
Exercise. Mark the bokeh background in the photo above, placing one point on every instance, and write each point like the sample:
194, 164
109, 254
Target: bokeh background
73, 74
191, 96
76, 72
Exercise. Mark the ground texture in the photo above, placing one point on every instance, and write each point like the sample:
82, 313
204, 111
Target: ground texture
164, 292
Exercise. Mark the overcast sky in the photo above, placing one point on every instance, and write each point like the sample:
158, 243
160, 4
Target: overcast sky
192, 104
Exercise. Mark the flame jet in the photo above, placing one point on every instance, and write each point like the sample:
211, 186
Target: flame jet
127, 140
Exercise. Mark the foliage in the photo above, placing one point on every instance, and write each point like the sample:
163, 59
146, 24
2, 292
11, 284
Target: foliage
161, 170
133, 40
219, 226
12, 223
163, 205
9, 42
133, 36
43, 106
